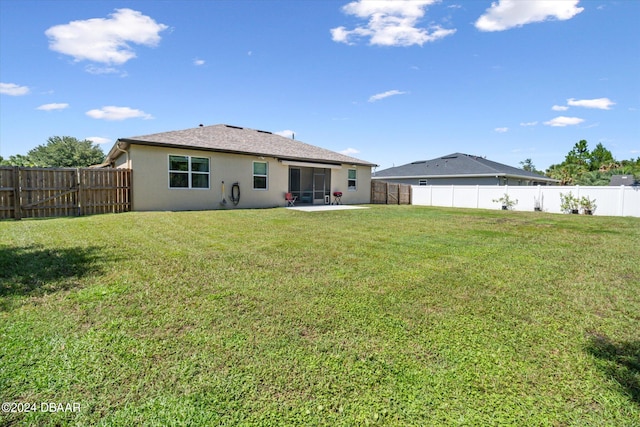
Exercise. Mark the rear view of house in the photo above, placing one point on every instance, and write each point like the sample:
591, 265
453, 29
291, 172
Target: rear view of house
223, 166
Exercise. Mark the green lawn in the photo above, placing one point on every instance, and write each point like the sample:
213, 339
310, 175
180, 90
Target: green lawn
393, 315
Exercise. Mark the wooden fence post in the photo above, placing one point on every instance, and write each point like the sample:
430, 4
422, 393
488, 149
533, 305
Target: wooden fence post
17, 196
386, 193
80, 192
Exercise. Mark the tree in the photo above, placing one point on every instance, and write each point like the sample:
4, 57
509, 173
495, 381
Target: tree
528, 165
584, 167
600, 157
66, 151
579, 155
630, 167
17, 160
565, 173
594, 178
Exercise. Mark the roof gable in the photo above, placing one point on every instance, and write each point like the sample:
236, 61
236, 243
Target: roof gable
235, 139
459, 165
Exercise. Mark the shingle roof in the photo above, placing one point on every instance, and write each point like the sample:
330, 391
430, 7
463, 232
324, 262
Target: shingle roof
623, 180
234, 139
456, 165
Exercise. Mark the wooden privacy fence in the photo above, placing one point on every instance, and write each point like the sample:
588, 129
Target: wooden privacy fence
47, 192
389, 193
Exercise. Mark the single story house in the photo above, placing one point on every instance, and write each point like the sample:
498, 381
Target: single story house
460, 169
223, 166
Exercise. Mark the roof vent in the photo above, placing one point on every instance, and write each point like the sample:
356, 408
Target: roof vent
234, 127
264, 131
419, 162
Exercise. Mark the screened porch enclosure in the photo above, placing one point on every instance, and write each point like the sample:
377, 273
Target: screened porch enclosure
310, 185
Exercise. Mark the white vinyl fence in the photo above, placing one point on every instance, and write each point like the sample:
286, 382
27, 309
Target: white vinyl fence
610, 201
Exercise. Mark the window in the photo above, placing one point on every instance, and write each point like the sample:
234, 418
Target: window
351, 181
199, 172
178, 172
260, 172
188, 172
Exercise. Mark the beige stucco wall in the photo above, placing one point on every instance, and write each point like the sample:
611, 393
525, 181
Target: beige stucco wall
362, 193
151, 190
122, 161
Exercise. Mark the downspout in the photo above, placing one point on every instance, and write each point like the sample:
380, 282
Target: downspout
125, 151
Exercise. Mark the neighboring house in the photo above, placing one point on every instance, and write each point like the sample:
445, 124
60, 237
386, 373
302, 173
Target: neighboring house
461, 169
618, 180
188, 169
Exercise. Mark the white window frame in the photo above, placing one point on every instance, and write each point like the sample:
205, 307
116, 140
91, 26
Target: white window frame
265, 176
189, 172
355, 180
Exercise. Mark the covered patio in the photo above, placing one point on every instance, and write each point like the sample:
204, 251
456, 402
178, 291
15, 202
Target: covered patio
311, 185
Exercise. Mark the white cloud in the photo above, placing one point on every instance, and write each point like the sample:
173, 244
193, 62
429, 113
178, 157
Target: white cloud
389, 23
117, 113
98, 139
105, 40
198, 62
506, 14
501, 130
528, 123
13, 89
599, 103
52, 107
379, 96
341, 35
286, 133
562, 121
559, 108
349, 151
93, 69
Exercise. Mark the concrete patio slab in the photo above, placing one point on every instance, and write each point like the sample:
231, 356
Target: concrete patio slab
322, 208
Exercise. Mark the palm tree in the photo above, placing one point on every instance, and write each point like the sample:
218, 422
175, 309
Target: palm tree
593, 178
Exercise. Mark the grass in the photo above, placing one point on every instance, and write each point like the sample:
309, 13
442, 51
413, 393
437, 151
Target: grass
394, 315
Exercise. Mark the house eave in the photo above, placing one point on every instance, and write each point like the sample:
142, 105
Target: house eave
309, 164
481, 175
129, 142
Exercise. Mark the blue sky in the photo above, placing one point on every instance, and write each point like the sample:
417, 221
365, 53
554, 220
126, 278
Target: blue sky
389, 82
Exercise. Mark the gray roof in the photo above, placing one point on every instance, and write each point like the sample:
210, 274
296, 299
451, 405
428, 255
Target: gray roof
238, 140
623, 180
457, 165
